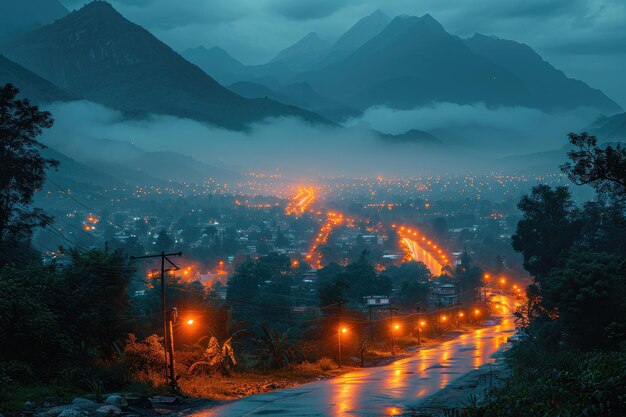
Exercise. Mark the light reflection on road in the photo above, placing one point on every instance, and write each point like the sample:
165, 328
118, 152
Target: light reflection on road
385, 390
418, 253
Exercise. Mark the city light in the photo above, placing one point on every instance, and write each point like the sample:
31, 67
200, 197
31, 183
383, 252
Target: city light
344, 330
190, 322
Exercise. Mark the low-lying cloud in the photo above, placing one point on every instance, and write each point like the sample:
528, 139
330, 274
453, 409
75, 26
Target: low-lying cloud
473, 134
288, 144
492, 131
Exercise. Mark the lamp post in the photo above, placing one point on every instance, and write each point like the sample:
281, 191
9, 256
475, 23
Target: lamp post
340, 330
172, 316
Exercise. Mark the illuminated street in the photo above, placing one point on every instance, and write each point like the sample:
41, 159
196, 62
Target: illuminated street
385, 390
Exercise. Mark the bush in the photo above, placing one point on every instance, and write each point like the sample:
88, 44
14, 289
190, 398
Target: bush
566, 382
326, 364
143, 361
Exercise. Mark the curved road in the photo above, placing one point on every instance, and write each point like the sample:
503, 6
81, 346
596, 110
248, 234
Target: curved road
385, 390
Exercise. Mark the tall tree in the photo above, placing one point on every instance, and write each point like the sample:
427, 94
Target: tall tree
22, 168
548, 228
603, 169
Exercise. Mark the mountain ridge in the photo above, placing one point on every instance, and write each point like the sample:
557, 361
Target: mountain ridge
98, 54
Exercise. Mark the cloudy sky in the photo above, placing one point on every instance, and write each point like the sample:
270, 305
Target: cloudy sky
584, 38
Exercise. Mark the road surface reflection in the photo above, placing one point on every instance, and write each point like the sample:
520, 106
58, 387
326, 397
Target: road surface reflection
385, 390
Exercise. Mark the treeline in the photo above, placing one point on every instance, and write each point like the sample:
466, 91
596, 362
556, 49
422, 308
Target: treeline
572, 360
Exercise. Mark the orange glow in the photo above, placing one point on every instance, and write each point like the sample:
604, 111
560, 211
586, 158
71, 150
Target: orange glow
461, 314
502, 281
444, 318
422, 323
190, 322
477, 311
396, 327
344, 330
301, 202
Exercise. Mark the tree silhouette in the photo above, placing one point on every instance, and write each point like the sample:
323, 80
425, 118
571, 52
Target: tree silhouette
23, 169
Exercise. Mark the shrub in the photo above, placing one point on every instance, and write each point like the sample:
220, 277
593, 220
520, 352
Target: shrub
326, 364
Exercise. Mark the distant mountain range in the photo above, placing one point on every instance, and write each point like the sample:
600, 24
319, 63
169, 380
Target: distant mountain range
22, 15
129, 164
610, 128
99, 55
411, 61
30, 84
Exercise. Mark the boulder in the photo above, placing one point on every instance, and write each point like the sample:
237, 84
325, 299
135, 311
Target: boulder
73, 412
117, 401
84, 404
108, 410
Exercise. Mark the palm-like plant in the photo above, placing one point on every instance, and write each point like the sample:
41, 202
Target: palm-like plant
276, 347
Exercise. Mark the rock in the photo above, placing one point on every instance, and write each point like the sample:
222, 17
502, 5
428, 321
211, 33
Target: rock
139, 402
117, 401
108, 410
84, 404
73, 412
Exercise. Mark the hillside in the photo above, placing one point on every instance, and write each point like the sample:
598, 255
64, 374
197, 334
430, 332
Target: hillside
98, 54
550, 88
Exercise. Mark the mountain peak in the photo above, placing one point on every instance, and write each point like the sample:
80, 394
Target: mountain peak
304, 52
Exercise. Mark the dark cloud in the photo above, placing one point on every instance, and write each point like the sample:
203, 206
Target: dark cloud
307, 9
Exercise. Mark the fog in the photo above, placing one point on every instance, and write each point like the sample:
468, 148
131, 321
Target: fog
471, 134
495, 132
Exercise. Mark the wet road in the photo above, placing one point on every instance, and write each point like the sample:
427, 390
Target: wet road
386, 390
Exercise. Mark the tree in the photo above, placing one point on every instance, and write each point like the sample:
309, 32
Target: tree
163, 241
547, 230
603, 169
587, 296
23, 169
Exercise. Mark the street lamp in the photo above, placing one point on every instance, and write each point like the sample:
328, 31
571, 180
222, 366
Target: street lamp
171, 319
340, 331
420, 325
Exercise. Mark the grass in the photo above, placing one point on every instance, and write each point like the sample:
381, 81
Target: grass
239, 385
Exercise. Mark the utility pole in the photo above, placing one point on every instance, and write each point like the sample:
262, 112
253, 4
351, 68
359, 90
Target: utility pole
172, 316
164, 257
393, 331
371, 325
339, 329
419, 326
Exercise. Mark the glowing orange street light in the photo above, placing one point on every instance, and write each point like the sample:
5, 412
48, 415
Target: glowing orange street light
502, 281
396, 327
190, 322
422, 323
340, 331
476, 311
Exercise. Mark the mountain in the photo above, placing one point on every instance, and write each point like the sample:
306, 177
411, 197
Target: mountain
610, 128
130, 164
98, 54
551, 88
414, 62
364, 30
72, 171
31, 85
216, 62
300, 95
301, 55
411, 136
22, 15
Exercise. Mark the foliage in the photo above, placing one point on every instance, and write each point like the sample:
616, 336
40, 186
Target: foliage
143, 360
216, 358
275, 348
562, 382
588, 294
23, 169
602, 168
547, 230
